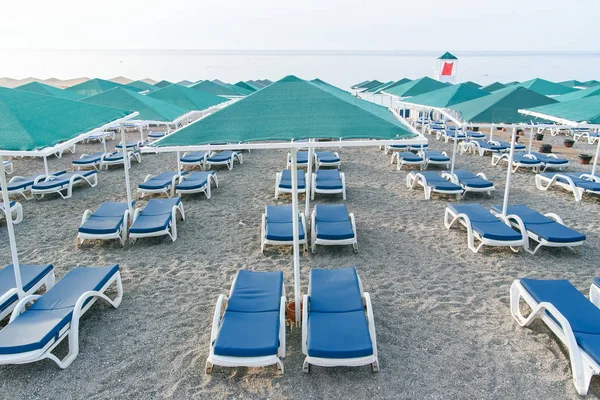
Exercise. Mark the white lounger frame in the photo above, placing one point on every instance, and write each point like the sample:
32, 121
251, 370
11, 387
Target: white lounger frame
473, 146
22, 191
169, 190
439, 135
496, 158
583, 367
71, 329
454, 179
314, 189
120, 234
93, 164
206, 189
229, 163
279, 190
318, 164
400, 162
314, 241
230, 361
587, 134
516, 222
450, 219
171, 229
17, 208
131, 153
416, 178
48, 281
263, 235
201, 163
434, 162
75, 179
288, 164
341, 362
8, 167
569, 185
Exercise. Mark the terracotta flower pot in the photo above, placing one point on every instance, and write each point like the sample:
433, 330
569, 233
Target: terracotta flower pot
290, 311
585, 158
539, 136
569, 142
545, 148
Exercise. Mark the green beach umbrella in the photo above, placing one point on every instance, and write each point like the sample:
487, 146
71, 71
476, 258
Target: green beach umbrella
473, 84
149, 108
359, 85
244, 85
511, 83
41, 88
213, 88
447, 56
255, 84
545, 87
371, 84
579, 94
141, 86
416, 87
448, 96
184, 83
571, 83
492, 87
591, 83
377, 88
241, 90
501, 107
92, 87
393, 85
162, 84
189, 99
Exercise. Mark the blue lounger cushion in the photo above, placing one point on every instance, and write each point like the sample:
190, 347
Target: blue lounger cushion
195, 157
327, 157
328, 179
160, 181
286, 179
222, 156
400, 146
251, 323
129, 145
30, 276
435, 181
114, 156
156, 134
42, 322
471, 180
89, 159
507, 145
583, 316
491, 146
332, 222
437, 127
302, 157
521, 158
24, 183
195, 180
486, 224
544, 227
410, 157
434, 155
550, 160
475, 135
156, 216
335, 290
108, 218
579, 182
279, 224
62, 180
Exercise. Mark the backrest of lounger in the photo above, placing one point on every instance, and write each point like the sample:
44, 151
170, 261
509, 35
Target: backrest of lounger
334, 291
464, 174
475, 212
160, 206
286, 175
111, 209
199, 176
528, 215
164, 176
78, 281
583, 316
279, 214
331, 213
328, 174
433, 177
326, 155
256, 292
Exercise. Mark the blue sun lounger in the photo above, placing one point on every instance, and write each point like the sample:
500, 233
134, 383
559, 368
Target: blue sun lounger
332, 225
547, 230
158, 218
227, 158
22, 185
116, 158
248, 328
434, 128
283, 182
33, 277
64, 183
469, 181
551, 161
162, 183
570, 316
197, 158
407, 158
328, 181
519, 161
450, 133
130, 145
109, 221
8, 167
432, 182
89, 160
15, 208
156, 135
482, 147
483, 226
301, 159
327, 159
472, 135
277, 230
33, 333
435, 157
338, 327
518, 146
577, 183
197, 182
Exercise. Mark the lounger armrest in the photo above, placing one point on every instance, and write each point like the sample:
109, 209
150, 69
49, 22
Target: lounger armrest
371, 321
20, 307
8, 295
136, 214
483, 176
16, 178
555, 217
86, 215
306, 306
216, 322
148, 177
83, 156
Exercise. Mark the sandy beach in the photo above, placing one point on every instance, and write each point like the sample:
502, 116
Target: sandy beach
444, 329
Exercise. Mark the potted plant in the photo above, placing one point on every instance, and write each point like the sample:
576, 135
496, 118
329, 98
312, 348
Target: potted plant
585, 158
545, 148
290, 311
539, 136
569, 142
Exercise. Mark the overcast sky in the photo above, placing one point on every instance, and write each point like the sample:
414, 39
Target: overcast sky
308, 24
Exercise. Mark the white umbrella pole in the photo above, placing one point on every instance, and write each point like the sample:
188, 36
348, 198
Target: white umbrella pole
492, 133
126, 168
511, 157
308, 181
11, 231
141, 133
179, 164
104, 144
296, 245
46, 171
595, 167
531, 139
454, 151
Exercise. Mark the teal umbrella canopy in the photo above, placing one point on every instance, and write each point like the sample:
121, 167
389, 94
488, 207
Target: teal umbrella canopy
162, 84
586, 110
41, 88
447, 56
244, 85
214, 88
546, 88
416, 87
292, 109
579, 94
31, 121
189, 99
492, 87
141, 86
93, 86
473, 84
393, 85
448, 96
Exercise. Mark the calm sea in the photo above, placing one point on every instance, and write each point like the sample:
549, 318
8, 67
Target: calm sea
341, 68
